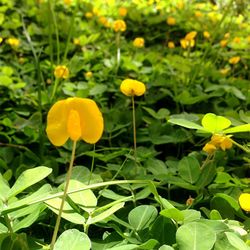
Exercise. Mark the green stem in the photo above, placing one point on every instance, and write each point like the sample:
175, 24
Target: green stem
92, 166
118, 55
54, 89
8, 224
247, 150
63, 197
134, 126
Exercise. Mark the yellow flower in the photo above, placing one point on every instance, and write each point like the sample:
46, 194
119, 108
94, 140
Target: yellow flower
190, 36
223, 43
1, 39
104, 21
88, 74
171, 45
61, 71
96, 11
244, 201
206, 34
187, 43
180, 5
13, 42
234, 60
74, 118
236, 40
119, 25
198, 14
138, 42
130, 87
227, 35
123, 11
221, 141
67, 2
88, 15
171, 21
209, 148
248, 39
76, 41
224, 71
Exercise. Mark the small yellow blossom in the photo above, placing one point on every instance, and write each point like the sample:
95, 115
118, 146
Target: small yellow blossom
88, 15
224, 71
138, 42
61, 72
119, 25
180, 5
209, 148
190, 36
234, 60
88, 74
244, 201
171, 45
1, 39
123, 11
74, 118
13, 42
189, 201
171, 21
130, 87
237, 40
67, 2
227, 35
76, 41
198, 14
206, 34
96, 11
248, 39
187, 43
223, 43
221, 141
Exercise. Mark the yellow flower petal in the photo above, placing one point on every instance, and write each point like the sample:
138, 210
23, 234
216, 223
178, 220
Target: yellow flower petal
244, 201
57, 123
74, 125
130, 87
209, 148
91, 119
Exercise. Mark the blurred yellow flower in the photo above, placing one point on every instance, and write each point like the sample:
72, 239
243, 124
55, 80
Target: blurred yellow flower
96, 11
198, 14
244, 201
76, 41
13, 42
224, 71
88, 15
138, 42
171, 21
130, 87
223, 43
123, 11
74, 118
227, 35
248, 39
236, 40
1, 39
104, 21
234, 60
67, 2
187, 43
209, 148
190, 36
61, 72
88, 74
206, 34
221, 141
171, 45
119, 25
180, 5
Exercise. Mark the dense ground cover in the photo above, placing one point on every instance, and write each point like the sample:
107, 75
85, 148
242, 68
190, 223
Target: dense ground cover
165, 167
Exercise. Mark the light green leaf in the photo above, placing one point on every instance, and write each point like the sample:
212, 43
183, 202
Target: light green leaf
195, 235
142, 216
4, 188
214, 123
235, 241
238, 129
124, 247
86, 199
28, 178
105, 214
74, 240
173, 213
190, 215
165, 247
189, 169
185, 123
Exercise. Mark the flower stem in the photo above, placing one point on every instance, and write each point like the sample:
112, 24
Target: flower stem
247, 150
134, 126
63, 197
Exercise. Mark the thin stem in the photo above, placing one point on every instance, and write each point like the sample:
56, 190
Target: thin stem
118, 56
8, 223
63, 197
92, 166
247, 150
54, 89
134, 125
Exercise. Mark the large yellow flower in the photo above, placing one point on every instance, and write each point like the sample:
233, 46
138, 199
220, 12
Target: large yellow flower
244, 201
74, 118
130, 87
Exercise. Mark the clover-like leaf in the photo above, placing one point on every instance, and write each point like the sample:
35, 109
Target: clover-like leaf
214, 123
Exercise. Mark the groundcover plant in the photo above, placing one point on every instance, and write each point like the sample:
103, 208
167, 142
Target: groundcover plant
124, 124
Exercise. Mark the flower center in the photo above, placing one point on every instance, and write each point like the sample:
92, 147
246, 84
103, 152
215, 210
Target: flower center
74, 125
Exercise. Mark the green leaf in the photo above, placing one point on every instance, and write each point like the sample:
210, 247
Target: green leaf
74, 240
86, 199
165, 247
236, 241
190, 215
189, 169
195, 235
238, 129
4, 188
28, 178
214, 123
173, 213
142, 216
185, 123
5, 80
149, 245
